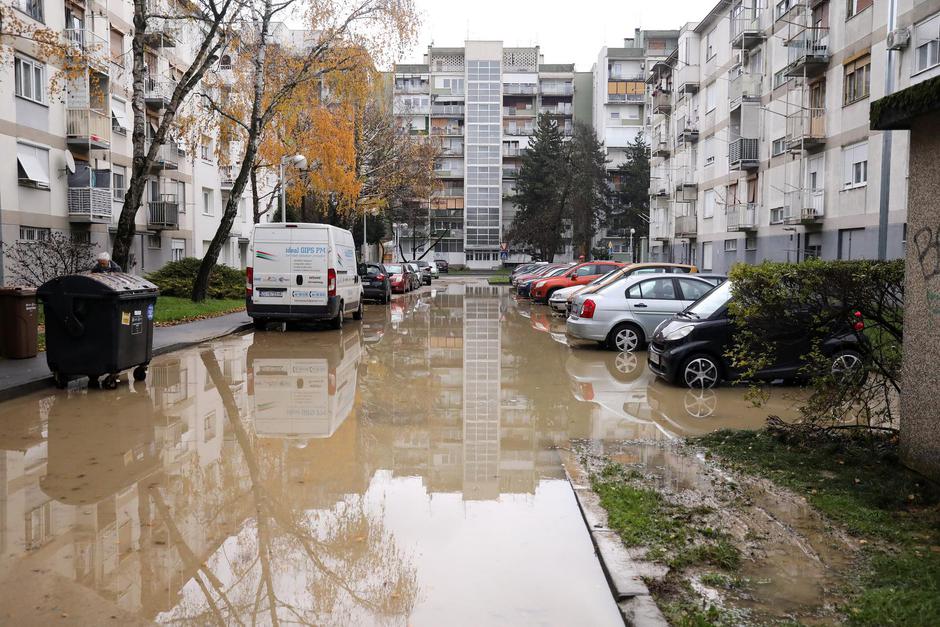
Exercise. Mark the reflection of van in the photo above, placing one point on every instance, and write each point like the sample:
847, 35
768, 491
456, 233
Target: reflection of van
302, 387
300, 271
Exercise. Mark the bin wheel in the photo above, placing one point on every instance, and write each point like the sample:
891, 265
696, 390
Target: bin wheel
140, 373
110, 382
61, 381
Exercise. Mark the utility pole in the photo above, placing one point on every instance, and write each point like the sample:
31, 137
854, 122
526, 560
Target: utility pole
885, 195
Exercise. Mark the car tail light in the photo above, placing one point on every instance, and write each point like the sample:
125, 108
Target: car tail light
331, 282
587, 309
859, 324
587, 391
380, 277
249, 281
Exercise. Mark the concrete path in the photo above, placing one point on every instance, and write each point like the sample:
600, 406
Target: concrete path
21, 376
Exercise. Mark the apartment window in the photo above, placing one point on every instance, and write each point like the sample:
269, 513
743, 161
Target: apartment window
32, 165
709, 153
731, 245
778, 147
855, 165
117, 47
781, 78
119, 180
857, 84
154, 242
708, 204
711, 97
32, 8
854, 7
29, 79
34, 234
119, 122
178, 249
777, 215
205, 149
710, 50
750, 243
706, 256
81, 237
781, 8
206, 202
614, 115
927, 44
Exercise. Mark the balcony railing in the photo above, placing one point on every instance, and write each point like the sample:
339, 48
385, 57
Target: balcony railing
167, 157
687, 78
447, 110
92, 46
449, 192
806, 128
519, 89
227, 174
687, 130
744, 153
454, 131
744, 87
745, 26
163, 213
618, 98
686, 226
510, 173
512, 152
806, 207
518, 130
661, 148
408, 88
560, 109
449, 173
808, 52
88, 126
742, 216
89, 204
556, 89
516, 112
157, 93
662, 101
452, 150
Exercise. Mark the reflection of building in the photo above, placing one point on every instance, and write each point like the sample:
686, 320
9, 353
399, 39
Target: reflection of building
481, 402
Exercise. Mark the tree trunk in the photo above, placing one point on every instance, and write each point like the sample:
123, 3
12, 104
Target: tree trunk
255, 198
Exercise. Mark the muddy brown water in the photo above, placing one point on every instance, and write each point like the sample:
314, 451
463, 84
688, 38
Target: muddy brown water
399, 471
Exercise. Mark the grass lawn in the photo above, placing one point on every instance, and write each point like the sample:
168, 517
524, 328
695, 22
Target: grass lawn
498, 279
175, 310
894, 513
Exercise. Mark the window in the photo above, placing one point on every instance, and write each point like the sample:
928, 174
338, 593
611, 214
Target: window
750, 243
711, 97
927, 44
777, 215
81, 237
119, 178
660, 289
709, 152
857, 84
731, 245
29, 79
32, 8
117, 47
692, 289
206, 202
778, 147
32, 165
708, 203
855, 165
178, 248
781, 8
854, 7
34, 234
119, 115
781, 78
614, 115
205, 149
710, 50
706, 256
154, 242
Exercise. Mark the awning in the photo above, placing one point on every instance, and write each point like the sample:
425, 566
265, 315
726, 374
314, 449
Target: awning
32, 166
120, 116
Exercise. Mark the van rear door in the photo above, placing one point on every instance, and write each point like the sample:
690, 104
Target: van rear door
309, 261
272, 276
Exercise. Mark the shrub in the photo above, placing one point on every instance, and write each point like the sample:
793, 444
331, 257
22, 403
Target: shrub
176, 279
777, 302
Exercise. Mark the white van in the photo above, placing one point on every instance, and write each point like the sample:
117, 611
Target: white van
301, 271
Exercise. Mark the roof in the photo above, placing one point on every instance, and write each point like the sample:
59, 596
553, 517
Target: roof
661, 33
556, 67
437, 50
625, 53
899, 110
411, 68
715, 13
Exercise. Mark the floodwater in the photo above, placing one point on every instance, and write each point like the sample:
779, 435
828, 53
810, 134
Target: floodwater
401, 471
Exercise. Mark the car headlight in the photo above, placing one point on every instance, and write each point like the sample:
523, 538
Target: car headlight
540, 283
679, 333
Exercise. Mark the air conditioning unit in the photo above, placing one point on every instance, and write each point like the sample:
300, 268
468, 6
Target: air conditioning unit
898, 39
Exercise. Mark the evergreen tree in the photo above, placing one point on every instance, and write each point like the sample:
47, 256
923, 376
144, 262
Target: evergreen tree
587, 172
631, 205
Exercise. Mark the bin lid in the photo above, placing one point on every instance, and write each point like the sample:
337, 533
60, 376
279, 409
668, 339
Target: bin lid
17, 290
102, 284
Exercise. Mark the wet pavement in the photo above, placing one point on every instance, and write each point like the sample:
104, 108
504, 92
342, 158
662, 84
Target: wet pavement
401, 471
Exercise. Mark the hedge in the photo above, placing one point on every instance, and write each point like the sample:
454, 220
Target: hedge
176, 279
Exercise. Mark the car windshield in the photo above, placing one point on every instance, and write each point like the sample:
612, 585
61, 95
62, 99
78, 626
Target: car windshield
373, 270
557, 271
423, 264
394, 269
711, 302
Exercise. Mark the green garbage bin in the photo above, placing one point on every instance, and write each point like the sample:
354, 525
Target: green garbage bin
19, 322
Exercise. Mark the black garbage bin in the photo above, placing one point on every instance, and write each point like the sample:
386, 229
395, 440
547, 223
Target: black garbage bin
98, 325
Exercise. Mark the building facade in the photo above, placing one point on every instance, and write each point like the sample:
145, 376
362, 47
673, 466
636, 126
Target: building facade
760, 145
481, 102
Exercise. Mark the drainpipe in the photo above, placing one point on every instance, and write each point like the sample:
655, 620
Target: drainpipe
885, 195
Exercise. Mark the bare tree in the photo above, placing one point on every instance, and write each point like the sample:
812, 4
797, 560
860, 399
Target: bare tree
34, 262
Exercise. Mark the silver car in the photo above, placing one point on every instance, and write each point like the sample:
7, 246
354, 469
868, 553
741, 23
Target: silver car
624, 314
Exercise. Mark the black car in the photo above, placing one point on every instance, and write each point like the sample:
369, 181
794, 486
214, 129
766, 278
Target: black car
442, 266
690, 347
376, 282
425, 269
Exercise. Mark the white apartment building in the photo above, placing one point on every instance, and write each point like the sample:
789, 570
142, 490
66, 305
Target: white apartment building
73, 149
481, 101
761, 147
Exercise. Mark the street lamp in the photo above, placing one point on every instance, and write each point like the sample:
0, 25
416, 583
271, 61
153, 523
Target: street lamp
632, 254
298, 161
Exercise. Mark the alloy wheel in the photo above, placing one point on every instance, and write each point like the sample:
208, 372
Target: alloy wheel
626, 340
845, 365
700, 372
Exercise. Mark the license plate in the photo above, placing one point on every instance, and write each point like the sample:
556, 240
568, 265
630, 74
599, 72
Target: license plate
654, 358
271, 293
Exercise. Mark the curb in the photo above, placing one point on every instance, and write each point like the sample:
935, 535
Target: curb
633, 598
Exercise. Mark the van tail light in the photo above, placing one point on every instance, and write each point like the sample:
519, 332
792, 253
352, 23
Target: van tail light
859, 324
331, 282
587, 309
587, 391
249, 281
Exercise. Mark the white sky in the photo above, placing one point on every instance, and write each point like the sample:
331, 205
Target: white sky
567, 30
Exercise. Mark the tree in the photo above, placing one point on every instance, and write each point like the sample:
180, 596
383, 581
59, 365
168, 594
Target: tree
33, 263
631, 181
342, 32
542, 192
588, 187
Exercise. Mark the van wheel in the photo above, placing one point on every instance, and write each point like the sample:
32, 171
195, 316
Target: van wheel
625, 338
700, 372
357, 315
338, 320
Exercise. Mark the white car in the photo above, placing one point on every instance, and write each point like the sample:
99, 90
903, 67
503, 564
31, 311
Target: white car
559, 299
624, 314
435, 271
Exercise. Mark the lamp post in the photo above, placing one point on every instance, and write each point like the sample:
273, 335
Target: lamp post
298, 161
632, 254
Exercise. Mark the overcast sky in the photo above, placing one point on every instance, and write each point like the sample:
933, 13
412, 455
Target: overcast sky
567, 30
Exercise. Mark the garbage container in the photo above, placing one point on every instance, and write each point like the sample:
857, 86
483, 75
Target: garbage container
18, 322
98, 325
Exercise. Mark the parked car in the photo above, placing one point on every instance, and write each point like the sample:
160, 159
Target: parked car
525, 268
442, 265
376, 282
714, 279
435, 271
524, 287
689, 348
624, 314
302, 271
415, 274
533, 272
635, 268
580, 274
400, 277
425, 268
559, 300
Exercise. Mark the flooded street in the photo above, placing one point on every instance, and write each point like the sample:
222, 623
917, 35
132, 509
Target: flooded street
401, 471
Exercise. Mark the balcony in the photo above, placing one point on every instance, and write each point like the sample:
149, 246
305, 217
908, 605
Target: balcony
519, 89
514, 112
161, 32
163, 214
167, 157
687, 78
742, 216
449, 192
626, 98
806, 207
745, 27
744, 154
411, 88
157, 93
448, 173
93, 48
686, 226
447, 111
744, 87
806, 129
513, 152
687, 130
89, 204
808, 53
662, 101
559, 109
452, 150
447, 131
684, 182
658, 189
510, 173
227, 174
88, 128
556, 89
518, 130
661, 148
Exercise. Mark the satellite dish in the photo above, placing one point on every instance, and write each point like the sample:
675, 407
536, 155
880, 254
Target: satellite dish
69, 162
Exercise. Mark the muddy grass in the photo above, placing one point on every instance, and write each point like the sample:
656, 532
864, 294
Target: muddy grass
754, 530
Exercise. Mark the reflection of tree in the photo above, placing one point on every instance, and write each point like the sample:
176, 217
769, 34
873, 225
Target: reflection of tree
292, 565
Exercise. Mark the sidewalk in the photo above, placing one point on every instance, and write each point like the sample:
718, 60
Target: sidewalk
22, 376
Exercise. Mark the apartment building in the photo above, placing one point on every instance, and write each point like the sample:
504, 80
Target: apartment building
481, 102
760, 145
73, 144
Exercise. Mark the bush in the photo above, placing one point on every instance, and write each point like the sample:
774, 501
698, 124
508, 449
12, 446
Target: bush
176, 279
776, 302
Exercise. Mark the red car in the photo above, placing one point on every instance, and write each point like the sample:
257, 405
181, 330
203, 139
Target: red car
402, 278
580, 274
540, 271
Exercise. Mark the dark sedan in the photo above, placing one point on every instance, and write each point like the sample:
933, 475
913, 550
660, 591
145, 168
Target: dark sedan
376, 282
442, 266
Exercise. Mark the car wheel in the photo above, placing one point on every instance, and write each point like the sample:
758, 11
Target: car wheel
357, 315
700, 372
626, 367
625, 338
847, 366
337, 322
